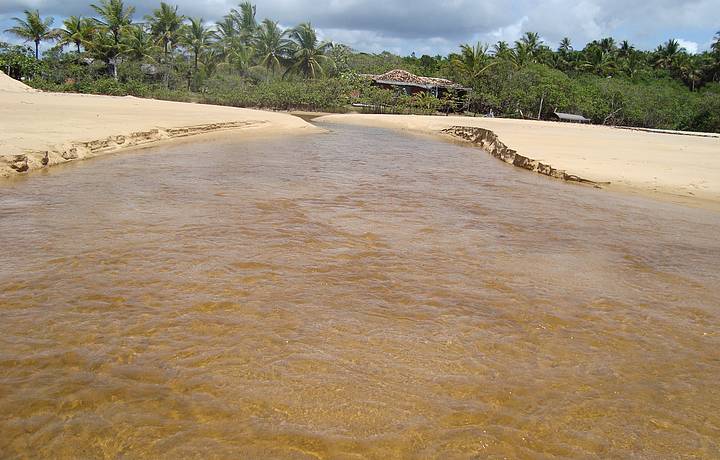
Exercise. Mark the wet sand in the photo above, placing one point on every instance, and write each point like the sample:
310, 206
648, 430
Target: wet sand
677, 168
353, 294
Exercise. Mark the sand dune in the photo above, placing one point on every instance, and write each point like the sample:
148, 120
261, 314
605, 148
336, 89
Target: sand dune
40, 129
681, 168
8, 84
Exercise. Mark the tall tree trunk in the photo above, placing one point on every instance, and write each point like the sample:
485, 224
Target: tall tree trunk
37, 49
78, 46
112, 67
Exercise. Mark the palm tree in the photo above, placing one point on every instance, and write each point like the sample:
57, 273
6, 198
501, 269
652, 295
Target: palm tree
238, 54
520, 55
565, 46
598, 61
607, 45
666, 55
531, 42
716, 44
210, 60
309, 55
692, 70
245, 22
226, 30
104, 48
138, 44
632, 64
501, 50
473, 60
271, 46
78, 31
34, 29
165, 24
714, 70
114, 17
196, 37
563, 59
625, 49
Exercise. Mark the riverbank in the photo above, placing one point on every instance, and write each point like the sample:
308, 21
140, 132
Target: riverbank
678, 168
45, 129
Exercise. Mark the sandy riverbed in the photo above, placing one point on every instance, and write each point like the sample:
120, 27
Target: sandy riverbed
40, 129
672, 167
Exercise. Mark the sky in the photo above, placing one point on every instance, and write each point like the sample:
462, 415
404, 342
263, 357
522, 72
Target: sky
440, 26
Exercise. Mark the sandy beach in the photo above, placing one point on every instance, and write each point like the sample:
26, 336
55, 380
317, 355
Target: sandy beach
44, 129
674, 167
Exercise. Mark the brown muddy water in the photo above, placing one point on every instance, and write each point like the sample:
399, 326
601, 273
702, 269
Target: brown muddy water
356, 294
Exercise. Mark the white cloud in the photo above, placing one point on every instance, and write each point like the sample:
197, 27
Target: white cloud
690, 47
437, 26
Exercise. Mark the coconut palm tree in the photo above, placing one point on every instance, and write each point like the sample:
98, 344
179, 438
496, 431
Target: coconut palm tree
598, 61
607, 45
501, 50
138, 44
77, 31
238, 54
531, 42
473, 60
196, 37
667, 54
716, 44
271, 46
244, 19
625, 49
632, 64
114, 16
114, 19
563, 59
34, 29
104, 48
308, 57
521, 55
565, 46
692, 70
210, 60
226, 30
165, 24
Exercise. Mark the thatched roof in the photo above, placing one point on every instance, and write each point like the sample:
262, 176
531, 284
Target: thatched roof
403, 77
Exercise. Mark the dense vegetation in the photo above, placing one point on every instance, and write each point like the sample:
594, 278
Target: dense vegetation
245, 62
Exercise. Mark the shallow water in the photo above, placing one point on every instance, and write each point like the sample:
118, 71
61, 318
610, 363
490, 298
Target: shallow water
346, 295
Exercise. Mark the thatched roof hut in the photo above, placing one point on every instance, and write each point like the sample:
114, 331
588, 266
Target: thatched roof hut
413, 84
403, 77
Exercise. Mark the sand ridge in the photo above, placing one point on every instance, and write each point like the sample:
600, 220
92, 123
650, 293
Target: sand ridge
39, 129
673, 167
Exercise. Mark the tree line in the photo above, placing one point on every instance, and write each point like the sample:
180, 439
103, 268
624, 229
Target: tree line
245, 62
605, 57
169, 39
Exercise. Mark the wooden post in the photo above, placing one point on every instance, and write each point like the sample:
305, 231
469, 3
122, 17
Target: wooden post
542, 99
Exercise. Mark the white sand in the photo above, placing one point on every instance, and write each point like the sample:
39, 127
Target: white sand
669, 166
40, 129
8, 84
